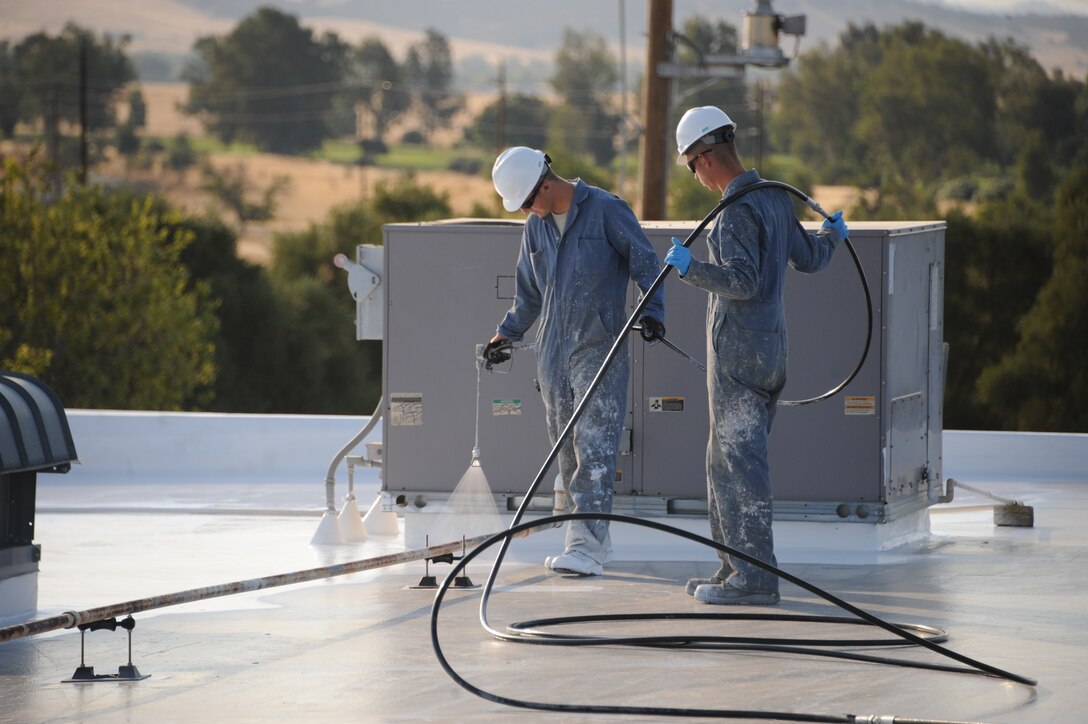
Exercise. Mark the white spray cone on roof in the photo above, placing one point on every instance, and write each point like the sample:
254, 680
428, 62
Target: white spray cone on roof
328, 530
350, 523
381, 522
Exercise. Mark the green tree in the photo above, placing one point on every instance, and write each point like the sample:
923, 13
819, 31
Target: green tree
995, 265
252, 358
907, 107
429, 71
94, 300
10, 90
703, 36
927, 108
381, 86
517, 120
334, 373
407, 200
48, 69
1035, 177
233, 189
137, 109
577, 131
1029, 101
180, 153
128, 139
331, 372
1042, 383
584, 79
269, 81
310, 252
817, 107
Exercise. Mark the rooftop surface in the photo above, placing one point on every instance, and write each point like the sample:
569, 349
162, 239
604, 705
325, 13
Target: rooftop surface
358, 647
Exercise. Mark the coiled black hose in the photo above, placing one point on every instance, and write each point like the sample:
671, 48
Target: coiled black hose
530, 632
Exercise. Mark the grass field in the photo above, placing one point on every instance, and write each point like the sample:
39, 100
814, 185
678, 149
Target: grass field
330, 176
315, 184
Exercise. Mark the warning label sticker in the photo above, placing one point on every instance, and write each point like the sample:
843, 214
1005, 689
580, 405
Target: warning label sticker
506, 407
860, 405
406, 408
666, 404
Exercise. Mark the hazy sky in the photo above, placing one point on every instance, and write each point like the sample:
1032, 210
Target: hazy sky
1049, 7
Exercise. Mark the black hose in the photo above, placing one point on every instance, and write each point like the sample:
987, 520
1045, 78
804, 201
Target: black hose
915, 634
808, 201
868, 329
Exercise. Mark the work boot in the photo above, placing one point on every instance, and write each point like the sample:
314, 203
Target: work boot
694, 583
574, 562
722, 594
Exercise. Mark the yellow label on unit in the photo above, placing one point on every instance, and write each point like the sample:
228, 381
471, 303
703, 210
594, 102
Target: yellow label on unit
859, 405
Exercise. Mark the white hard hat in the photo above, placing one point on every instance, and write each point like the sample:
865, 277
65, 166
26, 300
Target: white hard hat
700, 124
516, 173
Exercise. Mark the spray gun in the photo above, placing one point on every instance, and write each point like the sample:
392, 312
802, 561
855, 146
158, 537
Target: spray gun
674, 348
502, 352
492, 355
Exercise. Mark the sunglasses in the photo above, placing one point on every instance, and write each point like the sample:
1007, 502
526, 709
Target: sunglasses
691, 163
532, 197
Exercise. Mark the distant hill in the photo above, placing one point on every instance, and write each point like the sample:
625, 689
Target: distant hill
1056, 40
528, 34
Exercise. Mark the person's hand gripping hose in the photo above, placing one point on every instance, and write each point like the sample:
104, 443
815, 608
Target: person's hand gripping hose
679, 256
835, 228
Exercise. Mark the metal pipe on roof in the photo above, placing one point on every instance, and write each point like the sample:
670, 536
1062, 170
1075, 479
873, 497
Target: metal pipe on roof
71, 619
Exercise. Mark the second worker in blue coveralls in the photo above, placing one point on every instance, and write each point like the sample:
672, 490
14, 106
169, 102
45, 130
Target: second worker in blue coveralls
580, 249
748, 249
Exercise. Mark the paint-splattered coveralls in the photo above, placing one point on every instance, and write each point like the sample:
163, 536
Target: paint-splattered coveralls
750, 245
576, 286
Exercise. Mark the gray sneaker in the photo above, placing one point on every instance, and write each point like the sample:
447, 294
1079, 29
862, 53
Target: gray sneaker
694, 583
725, 595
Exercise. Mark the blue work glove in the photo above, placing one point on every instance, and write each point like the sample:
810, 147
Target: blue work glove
679, 256
835, 228
652, 329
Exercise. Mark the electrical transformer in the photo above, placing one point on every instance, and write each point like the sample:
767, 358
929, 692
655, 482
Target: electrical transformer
868, 454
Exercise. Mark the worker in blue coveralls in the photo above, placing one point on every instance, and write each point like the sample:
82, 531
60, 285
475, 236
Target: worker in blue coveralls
580, 247
748, 248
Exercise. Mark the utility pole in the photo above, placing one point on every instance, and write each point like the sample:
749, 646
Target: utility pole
623, 105
500, 117
759, 124
759, 47
83, 120
655, 112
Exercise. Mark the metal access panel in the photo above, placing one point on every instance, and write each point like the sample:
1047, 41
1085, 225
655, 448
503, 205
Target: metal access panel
448, 285
868, 453
864, 455
871, 452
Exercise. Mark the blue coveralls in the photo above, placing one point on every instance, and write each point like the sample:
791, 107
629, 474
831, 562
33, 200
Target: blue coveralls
749, 247
576, 285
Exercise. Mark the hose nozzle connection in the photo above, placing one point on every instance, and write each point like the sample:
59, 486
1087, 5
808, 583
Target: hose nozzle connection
811, 203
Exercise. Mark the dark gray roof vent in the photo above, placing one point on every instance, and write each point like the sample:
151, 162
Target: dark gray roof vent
34, 434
